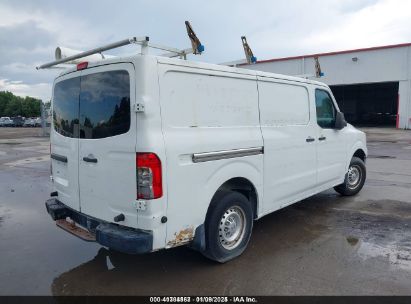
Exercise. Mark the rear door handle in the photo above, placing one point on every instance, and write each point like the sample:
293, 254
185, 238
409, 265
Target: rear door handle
90, 159
59, 157
309, 139
322, 138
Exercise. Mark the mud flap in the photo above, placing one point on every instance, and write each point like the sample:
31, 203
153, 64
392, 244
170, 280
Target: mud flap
199, 243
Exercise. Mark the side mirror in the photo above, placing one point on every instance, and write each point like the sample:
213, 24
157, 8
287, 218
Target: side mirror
340, 122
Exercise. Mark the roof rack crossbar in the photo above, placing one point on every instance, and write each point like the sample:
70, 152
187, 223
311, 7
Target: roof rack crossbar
139, 40
197, 49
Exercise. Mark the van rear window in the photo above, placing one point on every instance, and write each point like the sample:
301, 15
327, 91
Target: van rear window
93, 106
65, 107
104, 104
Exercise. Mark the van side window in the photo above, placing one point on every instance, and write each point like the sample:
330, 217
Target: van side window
326, 111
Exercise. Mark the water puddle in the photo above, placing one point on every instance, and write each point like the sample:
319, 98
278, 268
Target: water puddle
381, 156
30, 160
10, 143
396, 255
352, 240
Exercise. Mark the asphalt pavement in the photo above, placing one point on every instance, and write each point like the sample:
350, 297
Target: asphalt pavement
324, 245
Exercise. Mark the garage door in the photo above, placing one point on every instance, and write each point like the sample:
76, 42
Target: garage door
370, 104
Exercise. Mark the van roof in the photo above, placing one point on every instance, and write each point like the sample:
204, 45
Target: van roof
198, 65
99, 63
218, 67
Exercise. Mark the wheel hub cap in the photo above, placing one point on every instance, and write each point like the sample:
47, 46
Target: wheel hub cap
354, 177
232, 227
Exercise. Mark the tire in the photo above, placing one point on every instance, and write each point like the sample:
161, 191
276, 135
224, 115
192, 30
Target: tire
354, 178
232, 211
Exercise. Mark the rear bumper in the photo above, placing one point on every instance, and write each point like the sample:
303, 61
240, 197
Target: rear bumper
119, 238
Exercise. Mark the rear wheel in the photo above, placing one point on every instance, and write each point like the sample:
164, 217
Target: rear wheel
228, 226
354, 178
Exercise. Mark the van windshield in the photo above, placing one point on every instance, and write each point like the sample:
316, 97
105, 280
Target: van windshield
92, 106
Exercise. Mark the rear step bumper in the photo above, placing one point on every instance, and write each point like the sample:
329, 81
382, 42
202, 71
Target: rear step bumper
115, 237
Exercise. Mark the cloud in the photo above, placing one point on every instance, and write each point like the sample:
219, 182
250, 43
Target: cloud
379, 24
20, 36
349, 6
38, 90
30, 30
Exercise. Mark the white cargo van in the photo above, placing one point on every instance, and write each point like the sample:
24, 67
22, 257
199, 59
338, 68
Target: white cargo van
151, 152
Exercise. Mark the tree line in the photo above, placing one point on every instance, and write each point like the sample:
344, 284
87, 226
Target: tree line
12, 105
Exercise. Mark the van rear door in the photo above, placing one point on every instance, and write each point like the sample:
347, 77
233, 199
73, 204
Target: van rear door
107, 144
64, 139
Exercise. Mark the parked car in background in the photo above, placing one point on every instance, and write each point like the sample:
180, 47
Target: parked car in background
37, 122
6, 122
32, 122
29, 122
18, 121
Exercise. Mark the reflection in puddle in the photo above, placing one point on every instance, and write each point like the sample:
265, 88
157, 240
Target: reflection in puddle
109, 264
352, 240
115, 273
395, 254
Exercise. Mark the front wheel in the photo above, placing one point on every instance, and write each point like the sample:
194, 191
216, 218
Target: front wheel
354, 178
228, 226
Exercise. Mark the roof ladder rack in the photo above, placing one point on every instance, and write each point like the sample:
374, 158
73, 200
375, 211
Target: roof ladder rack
196, 45
318, 72
317, 67
248, 52
142, 41
197, 48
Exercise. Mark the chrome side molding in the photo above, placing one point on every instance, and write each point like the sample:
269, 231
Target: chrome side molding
209, 156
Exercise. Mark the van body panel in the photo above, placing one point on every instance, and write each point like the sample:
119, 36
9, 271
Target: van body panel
65, 174
331, 151
150, 139
354, 145
286, 117
205, 111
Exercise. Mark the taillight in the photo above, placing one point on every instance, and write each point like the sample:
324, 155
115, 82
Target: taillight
149, 180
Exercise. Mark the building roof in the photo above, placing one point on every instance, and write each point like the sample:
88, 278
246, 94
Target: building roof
375, 48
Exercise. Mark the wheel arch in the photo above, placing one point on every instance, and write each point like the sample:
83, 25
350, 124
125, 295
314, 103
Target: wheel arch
229, 178
358, 150
243, 186
360, 154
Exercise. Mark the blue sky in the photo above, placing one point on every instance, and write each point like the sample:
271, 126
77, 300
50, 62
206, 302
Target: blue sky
30, 30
